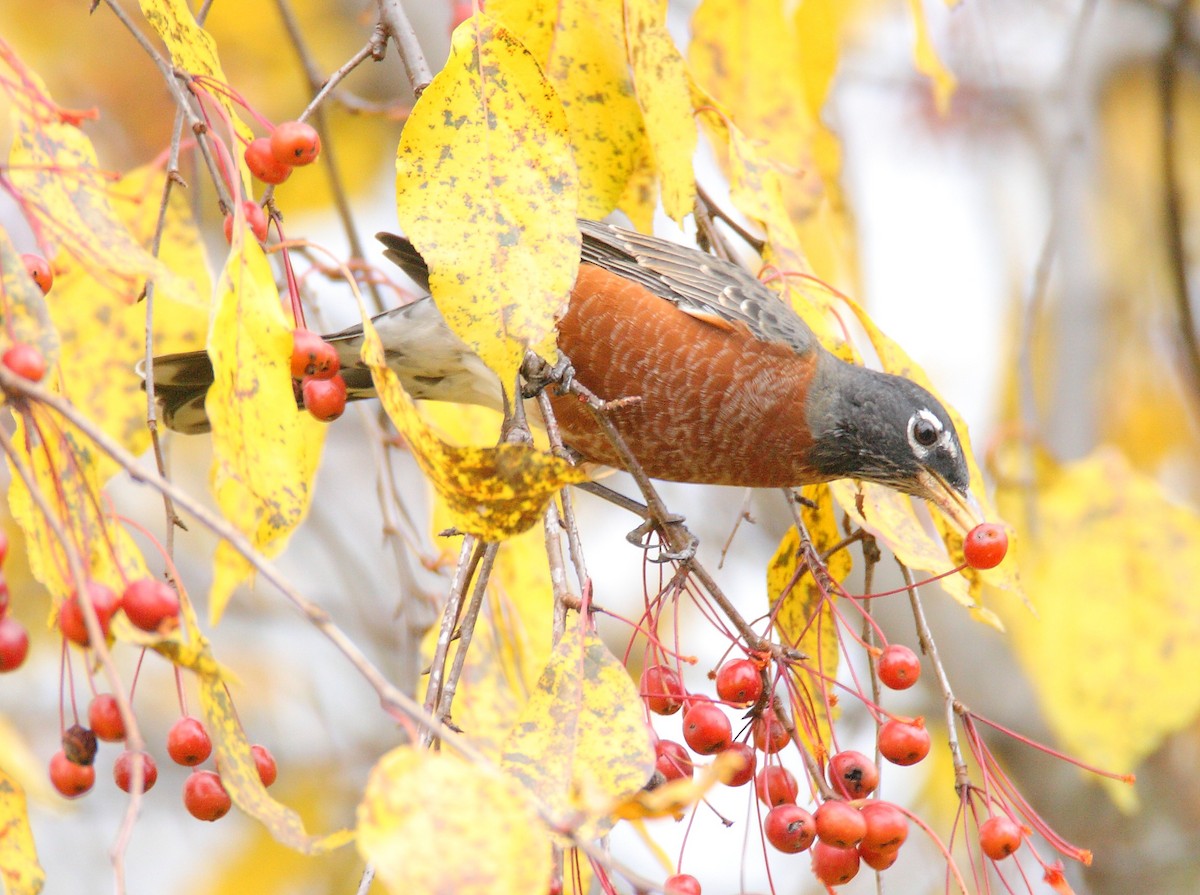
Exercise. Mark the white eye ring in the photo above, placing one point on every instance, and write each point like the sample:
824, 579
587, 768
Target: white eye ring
921, 426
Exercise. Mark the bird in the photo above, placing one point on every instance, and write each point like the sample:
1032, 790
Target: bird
734, 388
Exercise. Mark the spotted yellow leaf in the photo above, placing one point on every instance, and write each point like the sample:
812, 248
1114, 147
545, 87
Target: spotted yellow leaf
194, 51
19, 867
265, 451
494, 493
581, 743
581, 47
1110, 559
433, 823
660, 79
486, 190
68, 197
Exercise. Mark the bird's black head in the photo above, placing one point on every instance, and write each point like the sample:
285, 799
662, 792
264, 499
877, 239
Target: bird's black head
882, 428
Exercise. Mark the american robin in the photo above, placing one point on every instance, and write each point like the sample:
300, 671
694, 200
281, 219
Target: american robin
735, 389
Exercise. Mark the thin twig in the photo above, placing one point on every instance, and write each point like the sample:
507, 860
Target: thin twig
962, 777
133, 736
316, 111
1177, 266
394, 19
466, 630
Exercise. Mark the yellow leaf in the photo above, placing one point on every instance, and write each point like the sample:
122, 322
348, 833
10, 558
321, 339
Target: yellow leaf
104, 385
53, 167
581, 743
771, 72
194, 51
494, 493
265, 451
65, 467
239, 774
433, 823
674, 797
1111, 564
929, 63
660, 78
19, 866
805, 618
486, 190
581, 47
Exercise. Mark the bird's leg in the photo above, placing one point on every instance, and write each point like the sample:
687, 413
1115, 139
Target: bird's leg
538, 374
637, 536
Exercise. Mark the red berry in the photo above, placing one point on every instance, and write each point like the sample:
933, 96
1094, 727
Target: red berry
834, 866
256, 220
682, 884
70, 614
265, 762
852, 775
887, 827
325, 398
706, 728
985, 545
3, 546
39, 268
105, 718
673, 761
776, 785
459, 13
999, 837
26, 361
739, 682
295, 143
262, 162
878, 860
70, 779
898, 667
205, 797
746, 773
14, 644
3, 596
768, 732
188, 743
789, 828
902, 743
151, 605
312, 356
840, 824
662, 688
123, 771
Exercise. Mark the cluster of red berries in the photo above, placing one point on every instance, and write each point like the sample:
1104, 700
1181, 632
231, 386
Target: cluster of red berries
315, 366
270, 159
843, 832
72, 770
14, 639
292, 144
149, 604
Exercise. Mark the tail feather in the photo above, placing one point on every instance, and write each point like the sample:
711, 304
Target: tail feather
430, 360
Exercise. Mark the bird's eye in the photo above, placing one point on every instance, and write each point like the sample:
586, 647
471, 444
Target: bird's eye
925, 432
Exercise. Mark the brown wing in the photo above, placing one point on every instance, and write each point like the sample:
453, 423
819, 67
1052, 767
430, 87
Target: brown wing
701, 285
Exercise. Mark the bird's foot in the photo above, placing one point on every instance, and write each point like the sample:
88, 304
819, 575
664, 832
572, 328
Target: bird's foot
538, 375
638, 535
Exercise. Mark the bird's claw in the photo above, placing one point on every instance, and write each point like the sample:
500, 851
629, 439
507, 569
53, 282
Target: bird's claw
637, 536
539, 375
